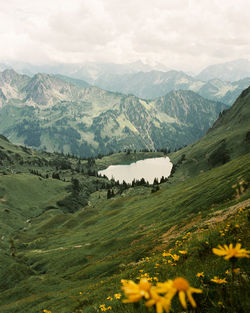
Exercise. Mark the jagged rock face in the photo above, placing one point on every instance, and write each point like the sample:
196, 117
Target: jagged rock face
50, 113
189, 107
3, 98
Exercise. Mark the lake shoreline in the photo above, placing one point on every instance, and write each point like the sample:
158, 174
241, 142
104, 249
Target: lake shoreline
149, 169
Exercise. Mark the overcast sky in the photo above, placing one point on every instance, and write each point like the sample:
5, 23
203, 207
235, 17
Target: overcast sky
181, 34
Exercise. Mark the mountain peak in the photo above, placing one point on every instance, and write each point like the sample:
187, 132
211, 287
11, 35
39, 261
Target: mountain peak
9, 74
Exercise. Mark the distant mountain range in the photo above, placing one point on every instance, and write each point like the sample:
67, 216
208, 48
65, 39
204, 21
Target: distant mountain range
229, 71
92, 71
155, 83
89, 71
62, 114
221, 82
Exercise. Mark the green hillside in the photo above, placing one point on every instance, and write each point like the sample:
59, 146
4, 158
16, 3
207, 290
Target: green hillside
77, 245
227, 139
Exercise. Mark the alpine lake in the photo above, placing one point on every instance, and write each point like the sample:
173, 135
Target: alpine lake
149, 169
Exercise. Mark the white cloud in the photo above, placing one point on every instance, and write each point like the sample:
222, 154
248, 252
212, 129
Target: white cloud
186, 34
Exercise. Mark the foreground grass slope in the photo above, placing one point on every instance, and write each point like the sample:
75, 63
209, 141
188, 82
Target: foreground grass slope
67, 253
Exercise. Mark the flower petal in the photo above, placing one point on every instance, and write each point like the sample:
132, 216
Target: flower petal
159, 308
191, 299
238, 246
150, 302
195, 290
219, 251
182, 299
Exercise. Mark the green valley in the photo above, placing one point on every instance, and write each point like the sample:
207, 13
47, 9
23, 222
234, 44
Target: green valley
65, 247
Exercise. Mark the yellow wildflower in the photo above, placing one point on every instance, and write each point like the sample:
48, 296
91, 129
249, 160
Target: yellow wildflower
175, 257
135, 292
141, 271
164, 287
218, 280
109, 298
161, 303
236, 270
200, 274
165, 254
183, 251
231, 252
221, 304
117, 295
102, 307
183, 288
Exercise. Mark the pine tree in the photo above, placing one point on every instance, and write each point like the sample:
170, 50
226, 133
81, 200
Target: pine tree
109, 194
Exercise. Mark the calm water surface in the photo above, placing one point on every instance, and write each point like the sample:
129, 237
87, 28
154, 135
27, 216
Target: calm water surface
149, 169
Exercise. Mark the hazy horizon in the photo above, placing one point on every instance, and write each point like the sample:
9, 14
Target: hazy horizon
16, 65
183, 35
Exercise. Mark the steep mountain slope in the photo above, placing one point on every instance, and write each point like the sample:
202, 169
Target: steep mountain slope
155, 83
77, 82
54, 114
228, 138
184, 104
229, 71
11, 85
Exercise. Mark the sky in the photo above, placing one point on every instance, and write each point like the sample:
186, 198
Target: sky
181, 34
